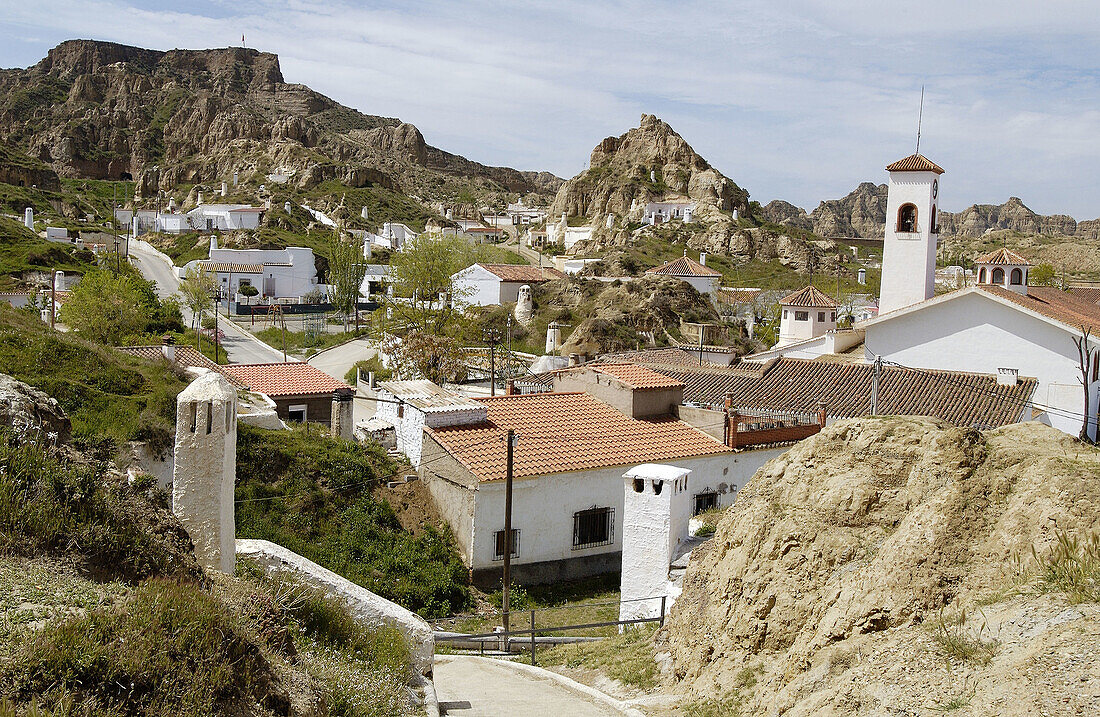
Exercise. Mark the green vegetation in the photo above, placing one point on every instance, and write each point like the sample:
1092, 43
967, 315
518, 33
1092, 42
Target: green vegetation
312, 494
113, 309
52, 505
954, 640
22, 252
1072, 567
109, 397
628, 658
729, 705
381, 373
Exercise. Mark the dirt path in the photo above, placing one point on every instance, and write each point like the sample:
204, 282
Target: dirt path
483, 687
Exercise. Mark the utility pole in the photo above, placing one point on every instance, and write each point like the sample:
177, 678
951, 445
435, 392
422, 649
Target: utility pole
838, 277
507, 578
702, 330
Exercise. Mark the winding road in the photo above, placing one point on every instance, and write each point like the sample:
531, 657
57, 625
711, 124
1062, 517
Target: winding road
240, 345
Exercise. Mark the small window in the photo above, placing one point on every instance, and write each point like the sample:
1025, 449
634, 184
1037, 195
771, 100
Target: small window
296, 414
784, 313
821, 316
1096, 367
935, 228
802, 316
832, 316
657, 486
639, 485
193, 423
705, 502
592, 527
1017, 277
998, 276
209, 416
981, 275
228, 416
498, 544
907, 218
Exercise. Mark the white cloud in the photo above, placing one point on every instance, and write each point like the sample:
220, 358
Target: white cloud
798, 101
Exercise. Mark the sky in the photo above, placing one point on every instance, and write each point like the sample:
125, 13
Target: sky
793, 100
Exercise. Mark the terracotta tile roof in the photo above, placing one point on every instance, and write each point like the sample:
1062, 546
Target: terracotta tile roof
284, 379
808, 296
664, 356
737, 295
636, 376
522, 272
915, 163
226, 267
1066, 307
799, 385
186, 356
487, 230
1087, 293
565, 432
1002, 256
683, 266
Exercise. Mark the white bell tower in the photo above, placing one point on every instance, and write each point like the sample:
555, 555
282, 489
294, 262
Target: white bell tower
912, 232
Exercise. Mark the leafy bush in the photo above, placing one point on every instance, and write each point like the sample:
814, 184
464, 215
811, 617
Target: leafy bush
171, 649
312, 494
381, 373
53, 505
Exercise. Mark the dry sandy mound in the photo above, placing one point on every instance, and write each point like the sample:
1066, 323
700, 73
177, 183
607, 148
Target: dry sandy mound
885, 567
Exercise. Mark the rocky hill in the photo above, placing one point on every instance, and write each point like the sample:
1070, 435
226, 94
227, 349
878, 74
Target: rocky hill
107, 111
862, 213
901, 566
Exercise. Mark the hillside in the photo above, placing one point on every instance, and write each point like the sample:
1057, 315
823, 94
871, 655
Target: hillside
862, 213
899, 566
101, 110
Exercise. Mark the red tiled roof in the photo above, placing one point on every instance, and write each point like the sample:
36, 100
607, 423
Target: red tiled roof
636, 376
683, 266
564, 432
1002, 256
186, 356
664, 356
1087, 293
1071, 309
226, 267
915, 163
809, 296
522, 272
737, 295
482, 229
284, 379
799, 385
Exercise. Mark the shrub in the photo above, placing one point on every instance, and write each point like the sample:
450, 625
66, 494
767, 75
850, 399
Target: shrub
381, 373
955, 641
1072, 567
171, 649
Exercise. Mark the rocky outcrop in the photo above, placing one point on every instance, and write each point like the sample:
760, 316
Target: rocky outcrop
109, 111
1012, 215
30, 412
894, 565
646, 163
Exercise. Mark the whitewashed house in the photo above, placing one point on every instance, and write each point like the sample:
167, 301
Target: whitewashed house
697, 273
569, 459
805, 314
276, 273
661, 212
209, 217
560, 232
411, 406
520, 213
494, 284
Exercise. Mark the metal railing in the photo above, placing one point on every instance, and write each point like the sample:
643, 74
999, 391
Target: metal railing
504, 636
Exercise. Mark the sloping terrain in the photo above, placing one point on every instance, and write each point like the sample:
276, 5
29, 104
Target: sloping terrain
899, 566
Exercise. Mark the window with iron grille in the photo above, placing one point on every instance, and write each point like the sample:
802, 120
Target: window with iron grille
592, 527
802, 316
705, 502
498, 544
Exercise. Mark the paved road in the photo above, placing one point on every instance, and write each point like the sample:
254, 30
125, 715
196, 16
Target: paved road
338, 360
239, 344
483, 687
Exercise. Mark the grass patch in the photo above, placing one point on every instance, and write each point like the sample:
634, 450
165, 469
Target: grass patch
22, 252
109, 397
955, 641
729, 705
312, 494
381, 373
53, 505
628, 658
1072, 566
307, 341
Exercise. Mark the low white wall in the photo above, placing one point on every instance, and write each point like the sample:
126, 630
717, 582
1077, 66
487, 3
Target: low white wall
365, 606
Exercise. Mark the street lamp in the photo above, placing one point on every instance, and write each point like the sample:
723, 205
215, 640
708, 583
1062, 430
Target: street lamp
216, 294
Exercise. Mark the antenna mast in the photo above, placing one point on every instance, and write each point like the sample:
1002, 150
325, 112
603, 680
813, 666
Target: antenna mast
920, 116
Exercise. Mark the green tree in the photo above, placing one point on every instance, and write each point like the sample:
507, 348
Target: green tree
346, 269
1041, 275
197, 290
422, 278
107, 308
419, 354
248, 291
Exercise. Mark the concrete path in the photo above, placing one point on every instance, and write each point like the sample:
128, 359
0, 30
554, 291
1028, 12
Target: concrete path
240, 345
470, 686
338, 360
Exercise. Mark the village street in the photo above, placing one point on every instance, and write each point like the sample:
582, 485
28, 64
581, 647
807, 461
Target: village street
470, 686
240, 345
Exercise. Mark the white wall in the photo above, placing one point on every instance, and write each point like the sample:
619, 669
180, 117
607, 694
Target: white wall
908, 260
791, 330
291, 281
974, 332
543, 508
477, 286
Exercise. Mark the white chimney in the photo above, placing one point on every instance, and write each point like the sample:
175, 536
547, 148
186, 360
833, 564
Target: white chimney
735, 214
28, 218
286, 207
213, 242
199, 198
610, 220
172, 204
236, 179
363, 212
1008, 376
703, 258
861, 276
225, 189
